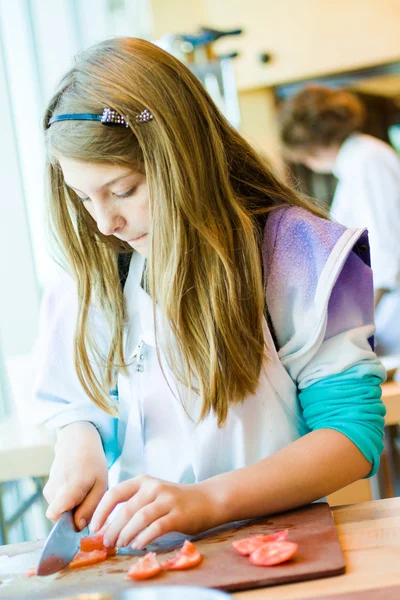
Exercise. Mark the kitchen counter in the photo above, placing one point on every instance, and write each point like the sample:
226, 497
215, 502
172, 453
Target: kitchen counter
369, 534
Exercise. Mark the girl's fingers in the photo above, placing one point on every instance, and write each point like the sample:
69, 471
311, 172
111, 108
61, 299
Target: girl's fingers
122, 517
85, 510
120, 493
164, 524
143, 518
64, 501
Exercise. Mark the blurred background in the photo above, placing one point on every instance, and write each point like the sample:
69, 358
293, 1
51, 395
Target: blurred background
252, 56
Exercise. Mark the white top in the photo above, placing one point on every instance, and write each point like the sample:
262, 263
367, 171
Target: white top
154, 434
368, 195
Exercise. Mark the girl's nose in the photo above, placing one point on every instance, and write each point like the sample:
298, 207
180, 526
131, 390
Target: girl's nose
109, 223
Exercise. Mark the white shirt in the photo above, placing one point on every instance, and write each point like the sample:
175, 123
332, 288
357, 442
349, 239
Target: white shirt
309, 261
368, 195
154, 434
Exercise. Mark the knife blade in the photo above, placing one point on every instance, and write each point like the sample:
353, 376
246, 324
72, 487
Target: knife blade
61, 545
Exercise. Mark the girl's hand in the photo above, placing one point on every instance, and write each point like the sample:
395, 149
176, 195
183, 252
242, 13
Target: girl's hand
78, 476
152, 507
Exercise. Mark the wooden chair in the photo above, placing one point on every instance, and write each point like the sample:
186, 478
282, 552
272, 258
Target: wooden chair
25, 451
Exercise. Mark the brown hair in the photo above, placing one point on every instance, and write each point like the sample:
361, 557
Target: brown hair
207, 190
319, 117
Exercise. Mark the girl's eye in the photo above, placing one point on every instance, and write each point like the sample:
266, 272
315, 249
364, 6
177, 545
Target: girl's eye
126, 195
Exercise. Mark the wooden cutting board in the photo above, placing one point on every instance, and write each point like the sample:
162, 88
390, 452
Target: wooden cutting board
319, 555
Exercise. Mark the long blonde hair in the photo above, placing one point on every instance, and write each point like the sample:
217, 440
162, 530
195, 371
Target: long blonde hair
208, 189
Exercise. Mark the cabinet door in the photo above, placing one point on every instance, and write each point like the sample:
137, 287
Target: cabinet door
307, 37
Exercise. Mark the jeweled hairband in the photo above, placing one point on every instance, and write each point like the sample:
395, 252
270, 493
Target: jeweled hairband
108, 117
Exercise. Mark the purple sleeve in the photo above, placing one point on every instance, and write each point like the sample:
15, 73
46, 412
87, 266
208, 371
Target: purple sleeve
351, 302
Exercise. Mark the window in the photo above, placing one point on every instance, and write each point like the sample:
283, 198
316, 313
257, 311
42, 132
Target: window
38, 41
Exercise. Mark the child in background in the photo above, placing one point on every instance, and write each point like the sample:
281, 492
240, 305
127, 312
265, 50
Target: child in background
213, 339
320, 127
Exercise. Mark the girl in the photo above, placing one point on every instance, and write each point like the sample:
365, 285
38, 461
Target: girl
230, 319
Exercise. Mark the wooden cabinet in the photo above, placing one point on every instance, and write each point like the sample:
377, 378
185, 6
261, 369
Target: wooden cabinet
306, 37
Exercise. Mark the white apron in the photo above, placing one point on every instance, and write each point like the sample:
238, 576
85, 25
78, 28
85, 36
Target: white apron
157, 437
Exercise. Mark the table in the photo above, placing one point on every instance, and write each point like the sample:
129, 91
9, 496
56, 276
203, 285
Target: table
369, 534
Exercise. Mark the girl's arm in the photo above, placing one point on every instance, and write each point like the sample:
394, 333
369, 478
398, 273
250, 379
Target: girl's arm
346, 416
308, 469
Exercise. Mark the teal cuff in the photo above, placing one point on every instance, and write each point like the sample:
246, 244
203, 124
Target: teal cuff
110, 441
350, 403
111, 449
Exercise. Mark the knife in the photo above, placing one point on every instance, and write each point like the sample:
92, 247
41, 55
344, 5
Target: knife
61, 545
63, 542
174, 539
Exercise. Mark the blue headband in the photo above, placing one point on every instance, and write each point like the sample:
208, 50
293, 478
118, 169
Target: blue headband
109, 117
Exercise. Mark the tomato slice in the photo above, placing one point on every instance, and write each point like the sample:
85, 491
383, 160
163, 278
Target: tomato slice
146, 567
95, 542
186, 558
84, 559
247, 545
31, 572
273, 553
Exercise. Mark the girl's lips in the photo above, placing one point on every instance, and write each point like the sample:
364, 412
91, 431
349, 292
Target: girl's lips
137, 239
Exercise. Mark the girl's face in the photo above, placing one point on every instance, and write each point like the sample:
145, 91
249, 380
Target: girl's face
116, 197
